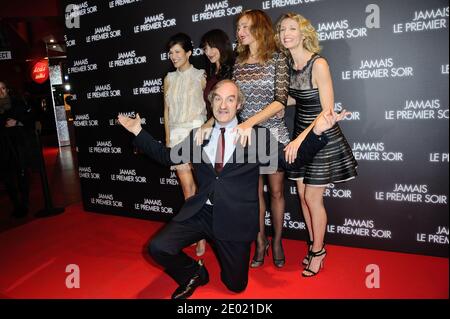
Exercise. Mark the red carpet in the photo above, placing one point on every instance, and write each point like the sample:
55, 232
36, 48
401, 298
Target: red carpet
110, 252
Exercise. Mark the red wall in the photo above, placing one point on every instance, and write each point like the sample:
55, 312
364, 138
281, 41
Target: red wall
29, 8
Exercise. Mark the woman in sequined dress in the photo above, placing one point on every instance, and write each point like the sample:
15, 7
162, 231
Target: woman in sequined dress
262, 74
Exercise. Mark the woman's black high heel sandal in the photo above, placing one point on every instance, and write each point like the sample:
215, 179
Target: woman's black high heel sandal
259, 262
308, 272
278, 262
305, 260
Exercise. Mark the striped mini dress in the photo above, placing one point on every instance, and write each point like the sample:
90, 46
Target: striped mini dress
335, 162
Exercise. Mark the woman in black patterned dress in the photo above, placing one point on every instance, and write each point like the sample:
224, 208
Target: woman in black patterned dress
312, 88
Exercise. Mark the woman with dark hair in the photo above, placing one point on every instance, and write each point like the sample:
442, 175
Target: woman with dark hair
220, 59
263, 75
184, 107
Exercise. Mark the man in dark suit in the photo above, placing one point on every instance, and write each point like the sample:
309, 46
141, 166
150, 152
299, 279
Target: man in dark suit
225, 209
14, 151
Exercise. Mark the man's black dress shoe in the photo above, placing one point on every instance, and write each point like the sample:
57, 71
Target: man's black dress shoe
201, 278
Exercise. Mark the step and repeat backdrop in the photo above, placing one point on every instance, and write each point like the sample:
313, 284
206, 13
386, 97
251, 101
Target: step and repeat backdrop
390, 66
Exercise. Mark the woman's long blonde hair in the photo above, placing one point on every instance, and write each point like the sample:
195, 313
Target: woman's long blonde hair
262, 31
311, 41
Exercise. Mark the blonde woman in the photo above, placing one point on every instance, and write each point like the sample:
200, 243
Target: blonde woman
312, 88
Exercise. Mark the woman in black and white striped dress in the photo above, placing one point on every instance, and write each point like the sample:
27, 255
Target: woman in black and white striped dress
312, 88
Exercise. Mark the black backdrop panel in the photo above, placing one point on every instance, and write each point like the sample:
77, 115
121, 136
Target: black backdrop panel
389, 61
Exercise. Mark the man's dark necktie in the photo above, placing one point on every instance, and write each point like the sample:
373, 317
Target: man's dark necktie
220, 151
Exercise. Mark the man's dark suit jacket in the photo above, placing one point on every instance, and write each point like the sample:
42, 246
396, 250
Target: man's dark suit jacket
234, 191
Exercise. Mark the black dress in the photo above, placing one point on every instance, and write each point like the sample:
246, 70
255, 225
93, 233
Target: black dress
335, 162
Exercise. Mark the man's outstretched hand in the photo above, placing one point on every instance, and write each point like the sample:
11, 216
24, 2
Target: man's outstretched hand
327, 119
133, 125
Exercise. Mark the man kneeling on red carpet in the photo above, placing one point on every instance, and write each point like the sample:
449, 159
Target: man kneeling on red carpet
225, 209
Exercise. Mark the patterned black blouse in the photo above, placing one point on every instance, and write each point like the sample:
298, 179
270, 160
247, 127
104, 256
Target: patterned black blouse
263, 83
